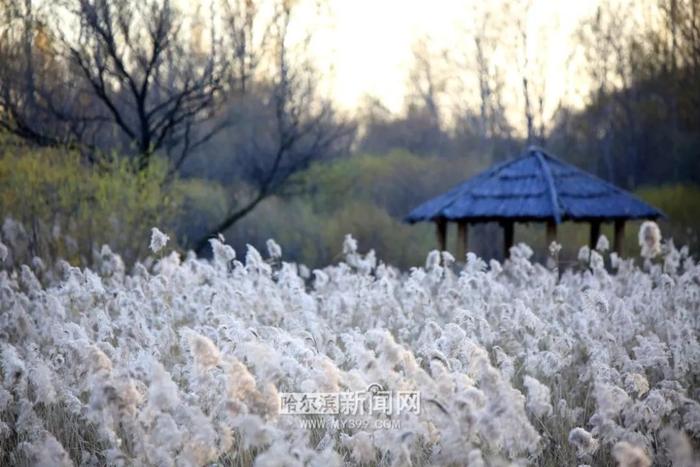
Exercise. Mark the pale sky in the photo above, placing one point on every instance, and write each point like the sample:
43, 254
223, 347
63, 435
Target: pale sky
364, 46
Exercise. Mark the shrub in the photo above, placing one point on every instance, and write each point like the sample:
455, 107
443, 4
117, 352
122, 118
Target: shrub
57, 206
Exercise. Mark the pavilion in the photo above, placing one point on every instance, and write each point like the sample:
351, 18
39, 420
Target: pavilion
535, 187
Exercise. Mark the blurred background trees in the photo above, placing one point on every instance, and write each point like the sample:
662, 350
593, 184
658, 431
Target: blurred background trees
118, 115
641, 122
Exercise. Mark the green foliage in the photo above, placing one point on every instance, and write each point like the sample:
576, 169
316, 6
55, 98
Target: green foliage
681, 204
315, 238
67, 209
395, 242
396, 181
366, 196
204, 204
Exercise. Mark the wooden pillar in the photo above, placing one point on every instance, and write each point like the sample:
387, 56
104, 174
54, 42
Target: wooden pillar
595, 233
462, 240
551, 232
508, 234
441, 233
619, 235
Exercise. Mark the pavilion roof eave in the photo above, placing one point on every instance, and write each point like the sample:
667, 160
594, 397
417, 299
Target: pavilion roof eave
530, 218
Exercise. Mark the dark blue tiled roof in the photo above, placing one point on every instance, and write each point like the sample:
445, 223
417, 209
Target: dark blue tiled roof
535, 186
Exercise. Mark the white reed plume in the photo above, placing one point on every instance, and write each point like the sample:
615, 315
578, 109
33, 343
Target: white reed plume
649, 239
158, 240
628, 455
583, 441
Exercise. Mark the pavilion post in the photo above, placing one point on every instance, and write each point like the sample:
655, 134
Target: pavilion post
551, 232
508, 235
619, 235
462, 240
441, 233
595, 233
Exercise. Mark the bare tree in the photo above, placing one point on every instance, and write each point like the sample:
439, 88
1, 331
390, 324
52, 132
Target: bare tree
533, 71
600, 46
249, 35
140, 81
524, 71
293, 127
31, 93
613, 53
152, 84
427, 83
486, 39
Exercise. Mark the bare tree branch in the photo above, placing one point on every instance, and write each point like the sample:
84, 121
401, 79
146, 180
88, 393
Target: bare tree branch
143, 84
